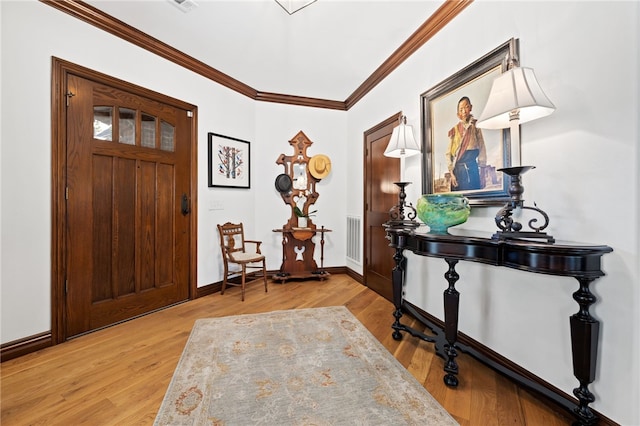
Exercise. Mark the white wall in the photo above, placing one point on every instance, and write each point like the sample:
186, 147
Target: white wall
31, 34
585, 55
274, 126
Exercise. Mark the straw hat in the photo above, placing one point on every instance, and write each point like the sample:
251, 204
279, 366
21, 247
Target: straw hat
319, 166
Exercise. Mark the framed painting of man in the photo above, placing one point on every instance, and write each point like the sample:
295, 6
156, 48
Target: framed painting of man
229, 162
457, 156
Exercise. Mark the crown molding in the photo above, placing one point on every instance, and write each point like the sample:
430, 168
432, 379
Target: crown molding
441, 17
89, 14
108, 23
300, 100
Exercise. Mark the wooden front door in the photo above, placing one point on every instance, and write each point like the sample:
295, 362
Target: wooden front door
128, 190
380, 195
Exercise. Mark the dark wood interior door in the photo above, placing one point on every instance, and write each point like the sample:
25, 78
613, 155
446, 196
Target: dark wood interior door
127, 205
380, 195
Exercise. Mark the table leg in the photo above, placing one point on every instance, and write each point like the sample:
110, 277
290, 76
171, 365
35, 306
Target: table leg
397, 279
281, 274
585, 332
451, 308
322, 250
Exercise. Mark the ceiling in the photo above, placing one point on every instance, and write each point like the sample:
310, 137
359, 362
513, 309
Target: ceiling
325, 50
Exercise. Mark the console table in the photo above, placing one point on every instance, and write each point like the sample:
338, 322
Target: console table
579, 261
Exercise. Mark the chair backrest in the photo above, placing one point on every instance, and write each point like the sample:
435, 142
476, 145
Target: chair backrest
231, 238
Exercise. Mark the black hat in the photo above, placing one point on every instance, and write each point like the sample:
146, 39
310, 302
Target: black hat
283, 183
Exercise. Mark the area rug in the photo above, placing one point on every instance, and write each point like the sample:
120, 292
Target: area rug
316, 366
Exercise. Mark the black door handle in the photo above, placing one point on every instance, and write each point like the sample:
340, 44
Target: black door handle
185, 205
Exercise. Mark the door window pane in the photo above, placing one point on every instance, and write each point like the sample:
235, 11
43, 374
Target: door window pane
148, 131
102, 123
127, 125
167, 134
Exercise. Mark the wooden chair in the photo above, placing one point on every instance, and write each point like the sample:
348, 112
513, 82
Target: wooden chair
235, 250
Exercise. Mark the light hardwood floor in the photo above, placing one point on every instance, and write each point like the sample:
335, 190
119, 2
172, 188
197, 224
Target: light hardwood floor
118, 375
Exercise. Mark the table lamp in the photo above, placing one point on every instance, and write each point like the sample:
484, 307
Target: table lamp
516, 97
401, 145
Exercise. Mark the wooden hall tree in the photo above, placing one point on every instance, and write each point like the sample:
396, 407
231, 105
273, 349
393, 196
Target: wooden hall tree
297, 187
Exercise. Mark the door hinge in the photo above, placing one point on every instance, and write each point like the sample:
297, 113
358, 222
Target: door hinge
66, 286
190, 114
69, 95
66, 193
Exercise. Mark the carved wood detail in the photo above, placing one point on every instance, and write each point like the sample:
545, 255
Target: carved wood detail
298, 247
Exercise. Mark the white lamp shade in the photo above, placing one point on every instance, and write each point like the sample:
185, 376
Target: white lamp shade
402, 143
516, 89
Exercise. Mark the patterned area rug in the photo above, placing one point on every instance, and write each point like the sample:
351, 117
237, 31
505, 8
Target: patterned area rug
317, 366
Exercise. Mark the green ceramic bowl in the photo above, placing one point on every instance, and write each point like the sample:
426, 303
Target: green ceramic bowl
442, 211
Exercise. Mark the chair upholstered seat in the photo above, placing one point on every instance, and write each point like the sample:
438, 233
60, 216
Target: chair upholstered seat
243, 253
246, 257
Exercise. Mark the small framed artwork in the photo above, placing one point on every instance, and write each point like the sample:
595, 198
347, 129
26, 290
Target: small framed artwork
457, 156
229, 162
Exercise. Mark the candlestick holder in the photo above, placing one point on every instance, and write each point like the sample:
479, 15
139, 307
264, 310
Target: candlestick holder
510, 228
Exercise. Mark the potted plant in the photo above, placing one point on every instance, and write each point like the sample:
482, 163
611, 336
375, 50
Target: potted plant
302, 217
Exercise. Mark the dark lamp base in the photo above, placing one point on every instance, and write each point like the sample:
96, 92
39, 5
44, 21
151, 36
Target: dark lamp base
510, 229
518, 235
399, 218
